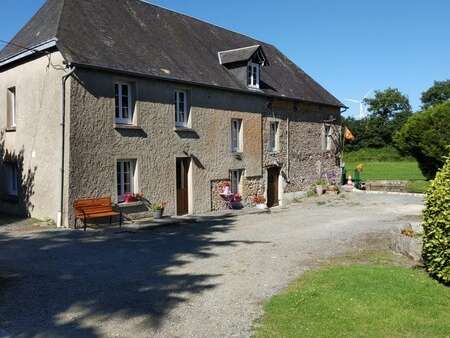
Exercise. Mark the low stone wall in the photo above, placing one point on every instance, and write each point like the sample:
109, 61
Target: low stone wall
252, 186
406, 245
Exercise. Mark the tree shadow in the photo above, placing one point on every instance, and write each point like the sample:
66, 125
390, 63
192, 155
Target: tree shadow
18, 203
71, 283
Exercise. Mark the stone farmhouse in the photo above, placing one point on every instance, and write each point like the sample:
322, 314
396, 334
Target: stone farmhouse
115, 97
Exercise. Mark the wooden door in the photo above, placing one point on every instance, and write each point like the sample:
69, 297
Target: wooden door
182, 186
273, 175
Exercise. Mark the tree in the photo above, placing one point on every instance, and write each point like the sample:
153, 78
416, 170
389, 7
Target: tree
390, 109
436, 226
387, 103
438, 93
426, 137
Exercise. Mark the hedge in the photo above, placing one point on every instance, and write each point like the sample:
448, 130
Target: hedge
436, 245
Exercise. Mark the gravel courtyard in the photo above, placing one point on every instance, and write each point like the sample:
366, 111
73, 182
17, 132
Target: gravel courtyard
207, 279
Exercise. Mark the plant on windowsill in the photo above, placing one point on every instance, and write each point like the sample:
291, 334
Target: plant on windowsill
158, 209
132, 198
259, 201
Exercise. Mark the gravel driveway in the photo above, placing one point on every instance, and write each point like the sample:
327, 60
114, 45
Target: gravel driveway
206, 279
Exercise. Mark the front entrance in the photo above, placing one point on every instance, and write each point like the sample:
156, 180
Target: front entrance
182, 186
273, 175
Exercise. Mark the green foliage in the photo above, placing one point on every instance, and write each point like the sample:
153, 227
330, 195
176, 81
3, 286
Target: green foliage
436, 239
390, 109
388, 153
388, 103
359, 301
419, 187
438, 93
425, 136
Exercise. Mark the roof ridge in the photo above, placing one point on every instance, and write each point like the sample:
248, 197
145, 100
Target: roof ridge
58, 22
235, 49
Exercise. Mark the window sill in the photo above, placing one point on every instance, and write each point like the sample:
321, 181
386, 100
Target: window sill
11, 130
126, 126
183, 129
237, 155
130, 204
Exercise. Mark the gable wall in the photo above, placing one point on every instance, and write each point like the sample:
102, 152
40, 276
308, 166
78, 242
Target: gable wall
36, 142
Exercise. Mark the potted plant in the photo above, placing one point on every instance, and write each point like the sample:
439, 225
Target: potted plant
320, 187
158, 209
259, 201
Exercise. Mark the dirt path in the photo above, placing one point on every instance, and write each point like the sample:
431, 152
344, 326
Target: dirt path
200, 280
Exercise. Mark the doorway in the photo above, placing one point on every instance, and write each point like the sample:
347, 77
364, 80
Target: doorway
273, 176
182, 186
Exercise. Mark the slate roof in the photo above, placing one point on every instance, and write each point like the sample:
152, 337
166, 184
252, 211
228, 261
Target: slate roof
136, 37
237, 55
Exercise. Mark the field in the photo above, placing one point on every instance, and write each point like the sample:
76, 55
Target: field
359, 300
400, 170
386, 164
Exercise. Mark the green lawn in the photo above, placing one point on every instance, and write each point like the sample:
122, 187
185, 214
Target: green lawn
387, 170
359, 301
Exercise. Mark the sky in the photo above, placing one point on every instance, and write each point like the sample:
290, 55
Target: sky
350, 47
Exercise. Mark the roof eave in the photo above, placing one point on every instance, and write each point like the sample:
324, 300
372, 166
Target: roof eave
236, 90
28, 52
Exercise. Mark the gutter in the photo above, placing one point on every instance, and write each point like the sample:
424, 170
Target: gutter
65, 77
199, 84
28, 51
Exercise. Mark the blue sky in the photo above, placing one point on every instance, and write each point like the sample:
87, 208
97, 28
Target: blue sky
348, 46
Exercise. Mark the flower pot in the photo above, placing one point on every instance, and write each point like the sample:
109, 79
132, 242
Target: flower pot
319, 190
157, 214
261, 206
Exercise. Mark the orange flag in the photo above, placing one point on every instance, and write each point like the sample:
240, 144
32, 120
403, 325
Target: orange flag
348, 135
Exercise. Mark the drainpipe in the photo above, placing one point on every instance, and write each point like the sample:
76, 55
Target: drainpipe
64, 78
288, 164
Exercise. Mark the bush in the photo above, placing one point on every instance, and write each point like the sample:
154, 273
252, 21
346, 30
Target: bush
425, 136
436, 245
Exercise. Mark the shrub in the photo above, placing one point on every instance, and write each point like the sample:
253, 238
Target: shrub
425, 136
436, 244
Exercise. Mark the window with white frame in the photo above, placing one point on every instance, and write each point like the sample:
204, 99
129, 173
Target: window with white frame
236, 136
11, 108
236, 177
181, 108
273, 137
12, 179
124, 103
253, 74
328, 138
126, 178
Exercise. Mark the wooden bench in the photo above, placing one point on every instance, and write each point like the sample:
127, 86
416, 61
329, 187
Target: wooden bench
87, 209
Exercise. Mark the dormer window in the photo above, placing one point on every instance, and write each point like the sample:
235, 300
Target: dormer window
245, 64
253, 73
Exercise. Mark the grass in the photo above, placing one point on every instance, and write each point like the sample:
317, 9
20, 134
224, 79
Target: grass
418, 186
359, 300
388, 170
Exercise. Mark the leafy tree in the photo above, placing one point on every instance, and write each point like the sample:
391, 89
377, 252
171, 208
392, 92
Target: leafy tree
436, 226
426, 136
387, 103
438, 93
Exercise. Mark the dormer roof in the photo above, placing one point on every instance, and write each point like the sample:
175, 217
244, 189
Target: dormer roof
244, 54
